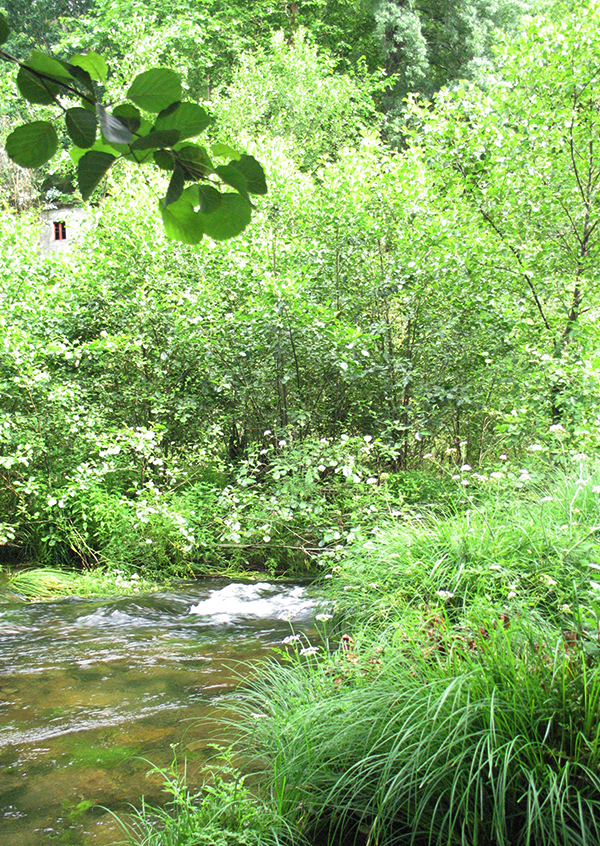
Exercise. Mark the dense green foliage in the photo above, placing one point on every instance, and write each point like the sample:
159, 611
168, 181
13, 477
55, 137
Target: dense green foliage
389, 379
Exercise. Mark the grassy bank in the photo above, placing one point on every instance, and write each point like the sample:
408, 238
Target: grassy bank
454, 697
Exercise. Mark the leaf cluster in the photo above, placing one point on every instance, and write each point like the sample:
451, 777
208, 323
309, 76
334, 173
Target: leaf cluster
154, 126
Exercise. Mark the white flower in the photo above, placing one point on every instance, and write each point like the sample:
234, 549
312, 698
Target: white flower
579, 456
535, 448
52, 501
445, 594
328, 576
371, 480
456, 476
495, 567
496, 475
465, 468
503, 457
368, 438
465, 482
267, 432
418, 436
324, 617
596, 489
511, 594
309, 650
282, 443
291, 639
546, 499
428, 455
557, 427
548, 580
566, 609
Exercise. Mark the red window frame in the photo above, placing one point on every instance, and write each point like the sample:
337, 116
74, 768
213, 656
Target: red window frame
60, 230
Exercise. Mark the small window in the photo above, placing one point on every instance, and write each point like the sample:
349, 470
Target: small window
60, 230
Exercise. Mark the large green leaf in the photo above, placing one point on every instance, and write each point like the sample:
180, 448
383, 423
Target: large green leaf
32, 144
229, 219
164, 159
209, 199
4, 30
232, 177
90, 170
128, 115
75, 153
194, 161
189, 119
36, 89
93, 63
114, 130
48, 66
155, 140
81, 126
181, 222
176, 185
155, 90
224, 151
253, 173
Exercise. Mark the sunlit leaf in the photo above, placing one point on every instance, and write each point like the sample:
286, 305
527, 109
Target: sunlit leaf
181, 222
224, 151
155, 90
93, 63
48, 66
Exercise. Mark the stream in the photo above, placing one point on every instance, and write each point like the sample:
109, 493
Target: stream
93, 690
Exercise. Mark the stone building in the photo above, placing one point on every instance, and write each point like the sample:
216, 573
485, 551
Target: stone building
60, 228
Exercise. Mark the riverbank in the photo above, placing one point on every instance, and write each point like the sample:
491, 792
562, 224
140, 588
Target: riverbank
454, 693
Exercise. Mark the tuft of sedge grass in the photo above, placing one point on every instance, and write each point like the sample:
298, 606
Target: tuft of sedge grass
485, 734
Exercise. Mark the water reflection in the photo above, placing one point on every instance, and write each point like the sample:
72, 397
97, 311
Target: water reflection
89, 687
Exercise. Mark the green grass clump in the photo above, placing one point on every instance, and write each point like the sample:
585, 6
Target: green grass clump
222, 813
483, 734
537, 548
46, 583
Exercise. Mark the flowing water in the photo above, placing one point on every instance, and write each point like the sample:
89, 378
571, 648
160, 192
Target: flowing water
92, 690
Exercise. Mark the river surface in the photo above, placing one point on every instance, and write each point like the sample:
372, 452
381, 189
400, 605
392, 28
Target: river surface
92, 690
